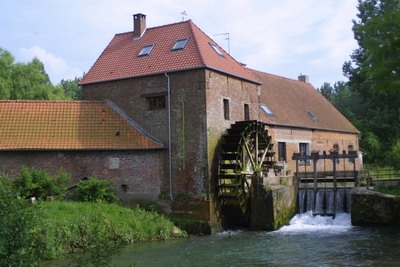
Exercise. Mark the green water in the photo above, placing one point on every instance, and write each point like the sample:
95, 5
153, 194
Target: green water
307, 241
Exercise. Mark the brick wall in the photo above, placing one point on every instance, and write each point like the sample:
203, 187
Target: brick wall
143, 172
188, 120
318, 141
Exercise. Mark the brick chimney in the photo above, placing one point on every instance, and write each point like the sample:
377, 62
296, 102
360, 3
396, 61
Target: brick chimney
303, 78
139, 25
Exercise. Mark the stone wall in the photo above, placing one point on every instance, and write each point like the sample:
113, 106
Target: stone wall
272, 207
369, 208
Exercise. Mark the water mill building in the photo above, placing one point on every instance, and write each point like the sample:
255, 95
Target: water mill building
171, 117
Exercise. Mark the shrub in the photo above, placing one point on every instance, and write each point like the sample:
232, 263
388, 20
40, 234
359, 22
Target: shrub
33, 182
19, 243
94, 190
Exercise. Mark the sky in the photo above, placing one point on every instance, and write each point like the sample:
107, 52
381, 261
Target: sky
285, 37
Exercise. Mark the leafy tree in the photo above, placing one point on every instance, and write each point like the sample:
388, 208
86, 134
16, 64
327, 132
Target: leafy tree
26, 80
373, 74
345, 100
71, 88
6, 61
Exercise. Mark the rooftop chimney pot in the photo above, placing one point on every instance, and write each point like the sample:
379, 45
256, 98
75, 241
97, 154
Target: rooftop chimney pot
139, 25
303, 78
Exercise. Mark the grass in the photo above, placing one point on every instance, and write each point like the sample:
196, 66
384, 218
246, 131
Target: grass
390, 190
67, 227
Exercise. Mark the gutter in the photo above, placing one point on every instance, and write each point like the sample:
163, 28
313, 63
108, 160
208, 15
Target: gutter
169, 138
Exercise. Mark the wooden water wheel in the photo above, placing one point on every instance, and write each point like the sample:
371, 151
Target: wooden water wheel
247, 154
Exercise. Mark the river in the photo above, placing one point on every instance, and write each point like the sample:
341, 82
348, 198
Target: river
307, 241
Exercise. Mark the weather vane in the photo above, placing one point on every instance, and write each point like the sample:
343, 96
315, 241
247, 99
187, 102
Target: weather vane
183, 15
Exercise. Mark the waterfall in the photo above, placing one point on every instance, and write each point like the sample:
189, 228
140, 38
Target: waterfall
324, 201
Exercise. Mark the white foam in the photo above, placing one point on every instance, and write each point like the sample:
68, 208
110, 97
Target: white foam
306, 222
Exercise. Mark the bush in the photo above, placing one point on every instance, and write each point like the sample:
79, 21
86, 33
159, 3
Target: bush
95, 190
19, 243
33, 182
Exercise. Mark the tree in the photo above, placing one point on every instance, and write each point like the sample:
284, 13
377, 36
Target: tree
71, 88
6, 61
373, 74
346, 101
25, 80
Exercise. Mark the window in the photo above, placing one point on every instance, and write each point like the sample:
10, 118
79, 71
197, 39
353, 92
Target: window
304, 149
246, 112
282, 151
226, 109
267, 110
180, 44
216, 49
336, 147
351, 148
156, 102
312, 116
146, 50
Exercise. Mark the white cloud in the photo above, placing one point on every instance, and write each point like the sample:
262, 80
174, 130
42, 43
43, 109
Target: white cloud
56, 67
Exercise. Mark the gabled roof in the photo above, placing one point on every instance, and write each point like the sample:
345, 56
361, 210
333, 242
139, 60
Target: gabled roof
67, 125
298, 104
120, 58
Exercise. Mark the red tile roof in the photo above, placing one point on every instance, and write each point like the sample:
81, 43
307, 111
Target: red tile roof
120, 58
289, 99
67, 125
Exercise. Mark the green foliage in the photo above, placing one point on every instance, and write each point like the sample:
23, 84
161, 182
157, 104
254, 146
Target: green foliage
19, 244
33, 182
26, 80
382, 50
98, 228
374, 76
394, 155
95, 190
71, 88
390, 190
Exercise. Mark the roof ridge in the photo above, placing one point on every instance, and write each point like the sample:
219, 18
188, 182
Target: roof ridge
275, 75
155, 27
193, 25
49, 101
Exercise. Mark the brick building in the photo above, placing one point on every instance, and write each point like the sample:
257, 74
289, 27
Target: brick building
176, 85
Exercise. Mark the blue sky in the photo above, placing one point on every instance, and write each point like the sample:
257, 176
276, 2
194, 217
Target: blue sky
285, 37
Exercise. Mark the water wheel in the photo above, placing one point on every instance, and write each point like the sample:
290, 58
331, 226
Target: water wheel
247, 154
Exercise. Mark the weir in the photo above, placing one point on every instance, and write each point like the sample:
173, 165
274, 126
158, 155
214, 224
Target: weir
325, 193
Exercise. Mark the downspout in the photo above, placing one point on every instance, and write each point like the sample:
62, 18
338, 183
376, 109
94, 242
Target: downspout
169, 138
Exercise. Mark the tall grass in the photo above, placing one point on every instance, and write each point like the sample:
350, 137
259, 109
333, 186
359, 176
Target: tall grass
79, 226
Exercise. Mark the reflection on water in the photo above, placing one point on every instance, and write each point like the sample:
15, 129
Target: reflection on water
307, 241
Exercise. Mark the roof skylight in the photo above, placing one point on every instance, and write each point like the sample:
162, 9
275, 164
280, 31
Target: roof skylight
216, 49
146, 50
180, 44
267, 110
312, 116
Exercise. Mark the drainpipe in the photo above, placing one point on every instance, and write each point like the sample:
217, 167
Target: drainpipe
169, 138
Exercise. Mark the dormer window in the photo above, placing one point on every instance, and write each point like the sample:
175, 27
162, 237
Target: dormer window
216, 49
180, 44
312, 116
267, 110
146, 50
